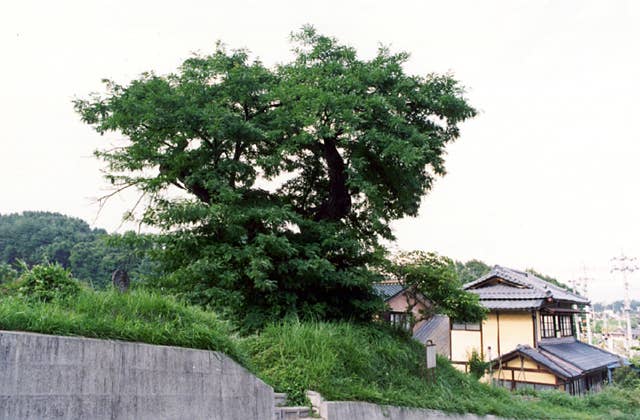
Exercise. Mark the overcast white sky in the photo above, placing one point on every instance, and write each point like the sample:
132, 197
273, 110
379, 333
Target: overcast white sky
546, 176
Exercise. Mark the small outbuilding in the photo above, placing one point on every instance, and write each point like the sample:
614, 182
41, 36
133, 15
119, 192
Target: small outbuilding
565, 364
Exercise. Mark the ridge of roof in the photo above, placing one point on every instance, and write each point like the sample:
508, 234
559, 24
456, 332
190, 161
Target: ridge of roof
528, 281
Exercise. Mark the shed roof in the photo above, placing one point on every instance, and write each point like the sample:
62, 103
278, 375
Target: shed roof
566, 357
581, 355
561, 369
426, 330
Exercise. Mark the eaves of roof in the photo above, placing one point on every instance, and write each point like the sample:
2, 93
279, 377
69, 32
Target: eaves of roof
511, 304
539, 358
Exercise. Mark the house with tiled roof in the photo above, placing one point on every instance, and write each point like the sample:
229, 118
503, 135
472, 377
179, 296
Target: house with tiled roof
529, 335
435, 328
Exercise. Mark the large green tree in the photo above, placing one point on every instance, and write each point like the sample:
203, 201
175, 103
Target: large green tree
273, 186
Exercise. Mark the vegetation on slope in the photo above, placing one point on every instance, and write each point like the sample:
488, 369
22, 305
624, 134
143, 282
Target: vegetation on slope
343, 361
139, 315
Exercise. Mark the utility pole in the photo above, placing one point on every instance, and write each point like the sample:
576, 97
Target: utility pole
625, 265
580, 285
588, 308
605, 329
576, 319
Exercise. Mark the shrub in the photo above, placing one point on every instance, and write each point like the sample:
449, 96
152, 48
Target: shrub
47, 282
477, 366
7, 273
626, 377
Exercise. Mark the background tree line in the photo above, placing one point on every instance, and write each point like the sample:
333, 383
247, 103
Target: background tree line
35, 237
616, 306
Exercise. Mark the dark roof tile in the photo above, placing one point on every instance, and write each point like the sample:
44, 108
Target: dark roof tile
525, 286
516, 304
579, 354
388, 290
553, 365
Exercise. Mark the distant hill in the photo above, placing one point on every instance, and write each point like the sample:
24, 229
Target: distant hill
34, 236
91, 254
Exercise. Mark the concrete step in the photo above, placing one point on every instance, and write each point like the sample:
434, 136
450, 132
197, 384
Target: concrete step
280, 398
290, 413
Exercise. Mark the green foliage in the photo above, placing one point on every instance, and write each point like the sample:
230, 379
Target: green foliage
7, 273
47, 282
91, 254
627, 377
36, 237
616, 306
140, 316
347, 145
471, 270
433, 277
95, 261
477, 366
366, 363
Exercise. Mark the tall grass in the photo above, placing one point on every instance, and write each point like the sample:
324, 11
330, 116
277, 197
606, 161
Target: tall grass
349, 362
139, 315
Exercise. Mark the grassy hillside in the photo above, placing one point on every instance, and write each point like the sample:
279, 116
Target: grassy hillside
139, 316
349, 362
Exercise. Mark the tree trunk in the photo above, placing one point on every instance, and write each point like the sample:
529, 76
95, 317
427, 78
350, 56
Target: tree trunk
338, 204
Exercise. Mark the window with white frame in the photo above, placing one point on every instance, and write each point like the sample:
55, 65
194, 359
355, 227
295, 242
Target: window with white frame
556, 325
400, 320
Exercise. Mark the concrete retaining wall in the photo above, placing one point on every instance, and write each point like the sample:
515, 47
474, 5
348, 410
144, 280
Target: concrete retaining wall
336, 410
353, 410
47, 377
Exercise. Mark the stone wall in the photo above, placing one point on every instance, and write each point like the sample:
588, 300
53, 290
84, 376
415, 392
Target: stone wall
47, 377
